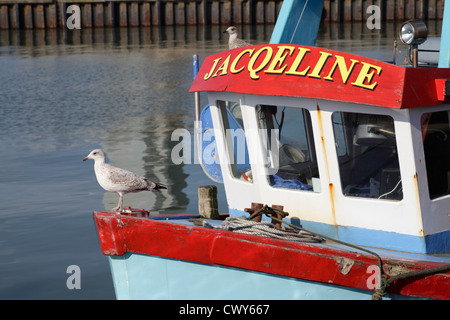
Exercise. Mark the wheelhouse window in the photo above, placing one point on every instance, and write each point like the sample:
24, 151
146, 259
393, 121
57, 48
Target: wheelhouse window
436, 144
235, 140
288, 144
367, 155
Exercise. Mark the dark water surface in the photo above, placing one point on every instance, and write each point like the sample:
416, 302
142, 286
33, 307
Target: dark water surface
63, 94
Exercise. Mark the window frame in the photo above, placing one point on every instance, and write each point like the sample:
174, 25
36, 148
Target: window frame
309, 139
350, 157
430, 163
232, 159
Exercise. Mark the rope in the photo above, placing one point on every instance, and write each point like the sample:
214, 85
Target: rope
265, 229
386, 282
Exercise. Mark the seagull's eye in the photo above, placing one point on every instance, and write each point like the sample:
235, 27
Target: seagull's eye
94, 153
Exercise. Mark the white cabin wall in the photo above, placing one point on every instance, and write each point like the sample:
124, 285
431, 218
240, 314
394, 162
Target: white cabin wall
411, 217
329, 206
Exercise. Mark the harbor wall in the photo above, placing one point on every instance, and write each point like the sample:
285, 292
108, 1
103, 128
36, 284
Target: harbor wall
42, 14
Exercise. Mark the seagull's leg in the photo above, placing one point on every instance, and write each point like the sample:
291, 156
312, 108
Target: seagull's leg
119, 205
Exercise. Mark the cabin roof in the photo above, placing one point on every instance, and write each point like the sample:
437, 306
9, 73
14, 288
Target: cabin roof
312, 72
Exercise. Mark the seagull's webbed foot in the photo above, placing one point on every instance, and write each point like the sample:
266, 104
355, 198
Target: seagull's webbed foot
117, 209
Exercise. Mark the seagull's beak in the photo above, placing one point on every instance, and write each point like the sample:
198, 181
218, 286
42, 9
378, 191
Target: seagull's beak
86, 158
225, 31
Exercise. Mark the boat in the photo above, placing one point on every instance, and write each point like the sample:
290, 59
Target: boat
335, 168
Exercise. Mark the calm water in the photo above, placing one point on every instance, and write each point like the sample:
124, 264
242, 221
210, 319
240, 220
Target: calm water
63, 94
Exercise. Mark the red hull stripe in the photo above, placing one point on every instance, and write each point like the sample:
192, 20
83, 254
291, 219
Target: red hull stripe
321, 262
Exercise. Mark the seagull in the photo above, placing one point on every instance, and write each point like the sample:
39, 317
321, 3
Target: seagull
234, 42
118, 180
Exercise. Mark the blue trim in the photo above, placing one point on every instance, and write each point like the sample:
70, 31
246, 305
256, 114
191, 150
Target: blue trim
438, 243
298, 22
210, 166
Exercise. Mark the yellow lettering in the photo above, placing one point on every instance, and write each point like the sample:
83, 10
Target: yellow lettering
278, 60
255, 57
209, 74
298, 60
345, 73
236, 60
365, 74
223, 67
319, 65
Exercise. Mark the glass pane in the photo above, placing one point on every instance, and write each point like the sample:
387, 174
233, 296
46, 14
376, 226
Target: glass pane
436, 144
367, 153
290, 155
236, 142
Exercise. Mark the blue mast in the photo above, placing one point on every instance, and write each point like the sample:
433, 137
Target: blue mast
298, 22
444, 54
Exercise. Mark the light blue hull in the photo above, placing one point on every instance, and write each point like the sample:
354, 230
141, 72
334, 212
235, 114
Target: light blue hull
137, 276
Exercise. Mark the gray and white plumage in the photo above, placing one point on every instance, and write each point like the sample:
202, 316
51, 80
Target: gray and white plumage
119, 180
234, 42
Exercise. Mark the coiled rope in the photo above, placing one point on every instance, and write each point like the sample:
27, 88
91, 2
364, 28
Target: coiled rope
264, 229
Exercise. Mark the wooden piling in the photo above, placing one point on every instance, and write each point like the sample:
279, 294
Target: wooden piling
145, 14
39, 14
108, 14
50, 16
4, 17
191, 13
179, 13
13, 11
156, 13
168, 17
86, 15
123, 14
133, 14
28, 16
98, 15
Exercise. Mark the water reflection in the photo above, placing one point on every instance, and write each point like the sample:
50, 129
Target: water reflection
63, 41
344, 36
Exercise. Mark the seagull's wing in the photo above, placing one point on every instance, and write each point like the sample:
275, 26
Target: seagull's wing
127, 179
